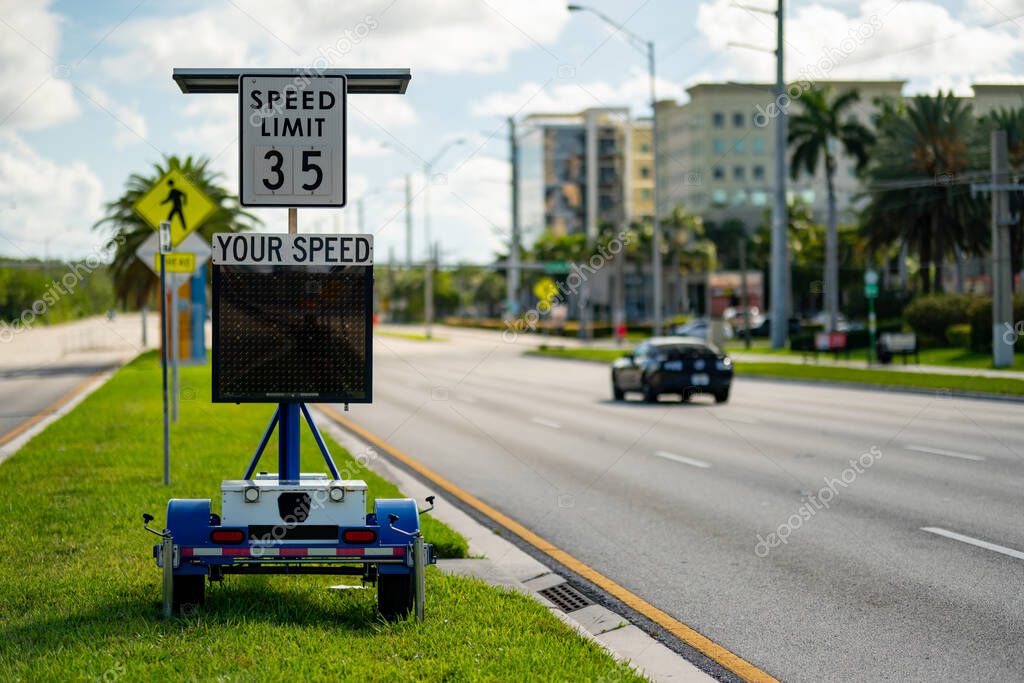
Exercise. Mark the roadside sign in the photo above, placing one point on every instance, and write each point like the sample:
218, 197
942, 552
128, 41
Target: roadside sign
175, 199
545, 289
292, 318
176, 262
556, 267
292, 147
871, 284
149, 253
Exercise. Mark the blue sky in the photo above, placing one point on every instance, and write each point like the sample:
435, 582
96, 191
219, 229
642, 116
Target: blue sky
86, 96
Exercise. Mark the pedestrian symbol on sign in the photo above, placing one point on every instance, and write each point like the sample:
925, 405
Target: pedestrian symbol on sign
177, 198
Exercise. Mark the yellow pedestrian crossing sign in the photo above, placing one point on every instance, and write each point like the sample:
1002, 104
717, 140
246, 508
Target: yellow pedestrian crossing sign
177, 199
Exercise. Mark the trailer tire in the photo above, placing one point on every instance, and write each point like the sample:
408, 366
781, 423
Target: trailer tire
394, 595
189, 593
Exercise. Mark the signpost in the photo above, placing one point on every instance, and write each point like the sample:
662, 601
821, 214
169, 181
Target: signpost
292, 141
165, 245
871, 293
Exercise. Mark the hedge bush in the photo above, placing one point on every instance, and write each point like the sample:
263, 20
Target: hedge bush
980, 318
930, 316
959, 335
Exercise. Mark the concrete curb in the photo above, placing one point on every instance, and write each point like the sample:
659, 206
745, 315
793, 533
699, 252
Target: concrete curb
507, 566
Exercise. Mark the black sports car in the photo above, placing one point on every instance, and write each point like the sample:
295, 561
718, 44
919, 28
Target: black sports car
673, 365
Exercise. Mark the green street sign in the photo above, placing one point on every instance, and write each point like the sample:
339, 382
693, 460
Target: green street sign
871, 291
556, 267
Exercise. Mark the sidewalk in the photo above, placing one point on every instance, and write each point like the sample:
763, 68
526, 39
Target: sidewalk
87, 340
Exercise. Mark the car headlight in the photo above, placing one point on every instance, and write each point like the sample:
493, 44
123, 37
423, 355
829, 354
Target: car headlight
724, 363
251, 494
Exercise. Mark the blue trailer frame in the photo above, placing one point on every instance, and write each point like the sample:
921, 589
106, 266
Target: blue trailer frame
389, 551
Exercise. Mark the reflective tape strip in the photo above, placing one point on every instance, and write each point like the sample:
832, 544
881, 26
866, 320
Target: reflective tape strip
259, 551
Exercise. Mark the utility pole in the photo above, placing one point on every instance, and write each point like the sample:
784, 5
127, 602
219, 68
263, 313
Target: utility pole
779, 251
512, 275
1002, 307
744, 298
408, 220
428, 292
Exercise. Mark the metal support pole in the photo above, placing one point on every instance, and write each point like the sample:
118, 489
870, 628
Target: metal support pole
419, 561
428, 292
288, 425
408, 220
1002, 287
163, 368
744, 298
512, 276
779, 259
293, 220
656, 242
175, 350
145, 334
167, 560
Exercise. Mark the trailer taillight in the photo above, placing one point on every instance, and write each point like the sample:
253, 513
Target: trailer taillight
359, 536
227, 536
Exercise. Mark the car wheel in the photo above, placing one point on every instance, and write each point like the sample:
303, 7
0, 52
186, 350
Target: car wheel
722, 395
650, 395
617, 393
394, 595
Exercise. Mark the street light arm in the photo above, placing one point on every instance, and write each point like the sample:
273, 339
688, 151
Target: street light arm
636, 41
444, 148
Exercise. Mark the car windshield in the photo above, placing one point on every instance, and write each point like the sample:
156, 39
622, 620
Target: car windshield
685, 351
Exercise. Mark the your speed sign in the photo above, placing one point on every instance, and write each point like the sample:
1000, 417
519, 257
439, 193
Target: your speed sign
292, 131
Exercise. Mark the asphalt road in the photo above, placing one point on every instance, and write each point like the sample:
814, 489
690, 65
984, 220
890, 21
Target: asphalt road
670, 500
26, 392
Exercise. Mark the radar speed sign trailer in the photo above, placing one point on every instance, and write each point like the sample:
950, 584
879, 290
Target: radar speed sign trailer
292, 319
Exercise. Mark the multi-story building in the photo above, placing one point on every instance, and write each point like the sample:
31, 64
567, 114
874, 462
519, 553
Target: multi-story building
716, 150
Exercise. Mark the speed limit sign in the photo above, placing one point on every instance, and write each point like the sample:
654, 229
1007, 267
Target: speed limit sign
292, 150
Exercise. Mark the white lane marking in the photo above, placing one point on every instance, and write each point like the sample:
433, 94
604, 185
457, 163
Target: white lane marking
693, 462
741, 420
974, 541
949, 454
546, 423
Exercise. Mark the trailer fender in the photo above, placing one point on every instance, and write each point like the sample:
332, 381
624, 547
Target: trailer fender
408, 521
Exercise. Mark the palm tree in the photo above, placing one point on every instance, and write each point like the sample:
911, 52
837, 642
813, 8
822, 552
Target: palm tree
917, 198
816, 132
134, 283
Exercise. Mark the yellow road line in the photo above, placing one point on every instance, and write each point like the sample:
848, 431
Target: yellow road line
713, 650
52, 408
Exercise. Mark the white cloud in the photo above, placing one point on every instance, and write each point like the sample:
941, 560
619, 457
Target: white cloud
42, 200
873, 39
31, 90
130, 124
447, 36
568, 95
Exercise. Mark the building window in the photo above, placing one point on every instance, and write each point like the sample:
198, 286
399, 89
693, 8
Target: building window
718, 173
759, 119
739, 198
645, 148
718, 146
757, 145
759, 198
737, 119
645, 194
739, 146
738, 173
718, 120
645, 171
719, 197
758, 172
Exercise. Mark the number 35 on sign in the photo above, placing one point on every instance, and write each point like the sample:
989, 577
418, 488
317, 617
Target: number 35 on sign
292, 150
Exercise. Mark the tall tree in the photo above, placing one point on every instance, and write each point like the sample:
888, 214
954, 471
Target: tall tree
816, 132
134, 282
918, 193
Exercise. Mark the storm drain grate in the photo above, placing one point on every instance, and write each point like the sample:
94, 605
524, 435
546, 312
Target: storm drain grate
565, 597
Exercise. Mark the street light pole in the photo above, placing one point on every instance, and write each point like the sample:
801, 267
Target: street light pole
779, 250
646, 47
428, 171
512, 276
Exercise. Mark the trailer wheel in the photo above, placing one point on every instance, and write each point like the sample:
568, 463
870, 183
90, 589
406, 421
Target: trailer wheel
189, 593
394, 595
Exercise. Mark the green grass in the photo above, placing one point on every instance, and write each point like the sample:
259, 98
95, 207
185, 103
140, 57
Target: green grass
832, 373
889, 378
80, 592
412, 336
